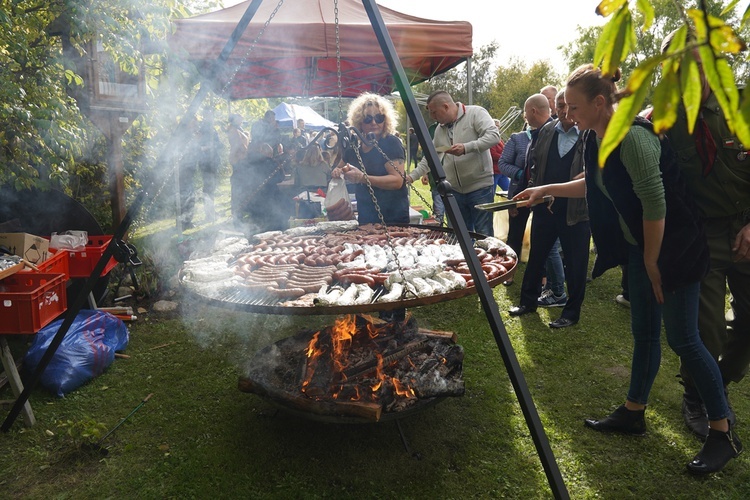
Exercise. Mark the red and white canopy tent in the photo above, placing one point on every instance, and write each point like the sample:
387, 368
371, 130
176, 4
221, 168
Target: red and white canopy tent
297, 53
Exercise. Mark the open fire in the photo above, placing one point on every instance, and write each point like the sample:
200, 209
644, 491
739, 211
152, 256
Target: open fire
359, 367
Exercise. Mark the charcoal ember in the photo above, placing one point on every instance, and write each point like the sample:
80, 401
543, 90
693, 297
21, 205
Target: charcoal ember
429, 365
372, 370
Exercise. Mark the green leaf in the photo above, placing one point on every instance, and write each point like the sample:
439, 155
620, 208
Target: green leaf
648, 13
620, 46
699, 23
644, 73
724, 39
666, 102
608, 7
746, 16
691, 84
726, 76
714, 79
742, 127
621, 121
678, 41
604, 40
729, 8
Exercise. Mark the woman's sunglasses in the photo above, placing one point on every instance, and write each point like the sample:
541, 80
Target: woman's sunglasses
379, 118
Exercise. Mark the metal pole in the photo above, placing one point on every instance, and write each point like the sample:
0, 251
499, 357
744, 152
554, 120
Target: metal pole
489, 305
122, 228
469, 81
143, 402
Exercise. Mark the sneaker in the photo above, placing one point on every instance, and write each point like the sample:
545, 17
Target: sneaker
549, 299
620, 299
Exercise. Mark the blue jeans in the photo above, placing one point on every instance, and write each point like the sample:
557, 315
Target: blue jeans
438, 207
479, 221
680, 314
555, 270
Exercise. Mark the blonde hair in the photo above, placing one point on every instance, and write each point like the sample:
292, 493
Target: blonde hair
358, 110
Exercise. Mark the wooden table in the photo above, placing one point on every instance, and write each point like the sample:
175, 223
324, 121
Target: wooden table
11, 373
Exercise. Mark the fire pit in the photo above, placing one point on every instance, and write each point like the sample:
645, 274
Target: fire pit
358, 370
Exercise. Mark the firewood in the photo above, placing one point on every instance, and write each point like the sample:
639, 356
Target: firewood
361, 409
388, 357
438, 334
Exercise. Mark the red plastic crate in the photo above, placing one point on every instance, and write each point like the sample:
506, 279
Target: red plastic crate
82, 262
57, 263
29, 301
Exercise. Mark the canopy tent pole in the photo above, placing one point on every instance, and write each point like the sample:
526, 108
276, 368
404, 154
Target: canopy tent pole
489, 305
469, 86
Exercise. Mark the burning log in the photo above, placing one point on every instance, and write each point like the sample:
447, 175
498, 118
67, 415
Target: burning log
363, 368
451, 336
361, 409
359, 367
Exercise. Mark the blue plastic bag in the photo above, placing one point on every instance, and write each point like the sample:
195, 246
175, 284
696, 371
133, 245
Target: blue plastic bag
86, 351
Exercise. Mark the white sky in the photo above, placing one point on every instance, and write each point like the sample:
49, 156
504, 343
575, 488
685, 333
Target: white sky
517, 25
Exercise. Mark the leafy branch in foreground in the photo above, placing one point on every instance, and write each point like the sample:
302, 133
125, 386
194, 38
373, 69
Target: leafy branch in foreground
701, 44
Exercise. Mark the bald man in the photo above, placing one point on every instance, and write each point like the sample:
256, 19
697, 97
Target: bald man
550, 92
557, 156
464, 137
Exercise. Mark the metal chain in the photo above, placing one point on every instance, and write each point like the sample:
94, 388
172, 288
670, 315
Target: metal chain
338, 58
419, 195
389, 238
251, 48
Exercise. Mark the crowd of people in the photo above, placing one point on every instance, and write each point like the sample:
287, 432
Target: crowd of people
672, 212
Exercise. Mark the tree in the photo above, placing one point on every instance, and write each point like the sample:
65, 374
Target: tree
647, 43
714, 42
45, 137
514, 83
454, 81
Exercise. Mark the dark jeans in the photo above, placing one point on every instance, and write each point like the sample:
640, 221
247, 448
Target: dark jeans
438, 207
680, 315
555, 270
546, 228
728, 342
479, 221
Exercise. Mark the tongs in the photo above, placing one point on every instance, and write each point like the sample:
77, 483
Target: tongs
505, 205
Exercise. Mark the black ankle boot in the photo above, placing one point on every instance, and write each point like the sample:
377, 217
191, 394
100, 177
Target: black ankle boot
719, 448
621, 420
694, 413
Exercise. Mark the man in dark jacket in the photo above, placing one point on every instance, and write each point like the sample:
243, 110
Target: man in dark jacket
558, 158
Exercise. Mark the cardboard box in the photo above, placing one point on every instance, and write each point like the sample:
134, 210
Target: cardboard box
33, 248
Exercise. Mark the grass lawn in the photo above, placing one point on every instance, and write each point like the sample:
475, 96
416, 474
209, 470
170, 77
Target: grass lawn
200, 437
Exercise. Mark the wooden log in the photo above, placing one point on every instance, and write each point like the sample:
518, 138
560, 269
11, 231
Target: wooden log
439, 334
359, 409
388, 358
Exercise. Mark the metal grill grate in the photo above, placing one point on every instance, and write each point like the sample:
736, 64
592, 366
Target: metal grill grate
265, 303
